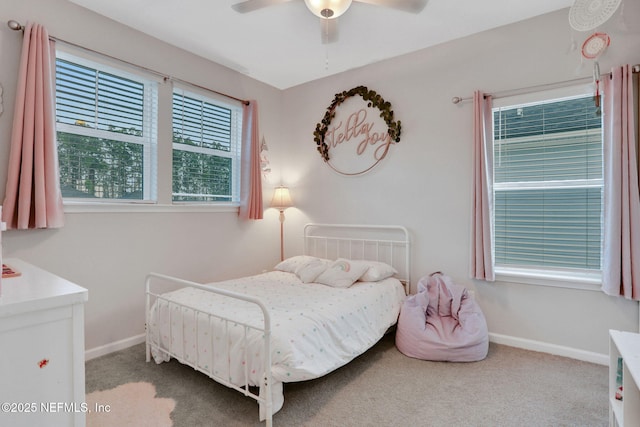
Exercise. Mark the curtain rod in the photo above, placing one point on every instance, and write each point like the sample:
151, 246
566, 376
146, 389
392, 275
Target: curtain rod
529, 89
16, 26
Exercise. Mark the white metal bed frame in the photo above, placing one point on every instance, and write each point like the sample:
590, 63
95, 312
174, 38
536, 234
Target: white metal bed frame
392, 245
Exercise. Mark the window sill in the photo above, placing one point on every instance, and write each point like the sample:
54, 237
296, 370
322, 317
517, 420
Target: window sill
558, 279
73, 207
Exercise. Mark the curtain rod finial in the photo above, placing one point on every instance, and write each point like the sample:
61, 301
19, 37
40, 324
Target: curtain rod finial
15, 25
456, 100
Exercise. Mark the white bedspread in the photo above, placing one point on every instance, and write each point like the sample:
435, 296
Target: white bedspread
315, 328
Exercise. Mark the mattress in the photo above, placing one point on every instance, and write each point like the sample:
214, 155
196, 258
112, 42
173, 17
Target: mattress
315, 328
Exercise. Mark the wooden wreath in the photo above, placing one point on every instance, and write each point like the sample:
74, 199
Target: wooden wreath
373, 100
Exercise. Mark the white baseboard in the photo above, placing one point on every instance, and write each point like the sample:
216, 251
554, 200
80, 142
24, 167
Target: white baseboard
526, 344
558, 350
92, 353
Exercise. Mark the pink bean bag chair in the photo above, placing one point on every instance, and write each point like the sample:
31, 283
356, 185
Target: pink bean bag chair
442, 323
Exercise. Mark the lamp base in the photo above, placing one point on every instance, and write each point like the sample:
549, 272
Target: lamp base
282, 235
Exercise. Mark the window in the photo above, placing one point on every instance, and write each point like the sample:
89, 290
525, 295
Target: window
106, 130
548, 184
109, 139
206, 148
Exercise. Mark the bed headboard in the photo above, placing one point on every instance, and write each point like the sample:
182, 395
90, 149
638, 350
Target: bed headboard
385, 243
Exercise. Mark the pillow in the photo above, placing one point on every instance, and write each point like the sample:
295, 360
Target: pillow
342, 273
290, 265
377, 271
310, 270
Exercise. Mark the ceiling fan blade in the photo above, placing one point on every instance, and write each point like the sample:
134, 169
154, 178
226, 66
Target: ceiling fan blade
412, 6
329, 30
251, 5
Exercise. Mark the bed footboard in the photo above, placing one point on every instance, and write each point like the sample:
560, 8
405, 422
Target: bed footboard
156, 285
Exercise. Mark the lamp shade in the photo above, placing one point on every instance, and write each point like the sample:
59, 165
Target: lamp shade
328, 9
281, 198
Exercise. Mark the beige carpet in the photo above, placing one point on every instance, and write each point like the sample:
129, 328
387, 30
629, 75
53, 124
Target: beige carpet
384, 388
130, 404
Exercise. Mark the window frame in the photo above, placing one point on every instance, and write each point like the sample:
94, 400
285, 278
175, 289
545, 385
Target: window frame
149, 139
583, 279
235, 148
161, 155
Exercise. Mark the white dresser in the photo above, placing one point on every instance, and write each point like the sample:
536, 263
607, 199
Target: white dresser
41, 349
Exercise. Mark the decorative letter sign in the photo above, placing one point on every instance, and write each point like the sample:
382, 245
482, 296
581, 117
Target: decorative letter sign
355, 137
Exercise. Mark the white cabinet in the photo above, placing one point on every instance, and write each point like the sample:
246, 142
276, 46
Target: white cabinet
624, 346
41, 349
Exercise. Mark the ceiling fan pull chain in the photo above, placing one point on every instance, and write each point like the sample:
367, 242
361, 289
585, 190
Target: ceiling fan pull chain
326, 59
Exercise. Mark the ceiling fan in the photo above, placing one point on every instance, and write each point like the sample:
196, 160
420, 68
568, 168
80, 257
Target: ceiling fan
329, 10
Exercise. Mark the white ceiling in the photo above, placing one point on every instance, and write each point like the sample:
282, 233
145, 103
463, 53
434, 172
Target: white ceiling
280, 45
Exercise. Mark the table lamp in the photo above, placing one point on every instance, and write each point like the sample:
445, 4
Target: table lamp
281, 201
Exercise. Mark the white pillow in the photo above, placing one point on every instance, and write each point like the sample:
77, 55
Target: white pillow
290, 265
376, 271
342, 273
310, 270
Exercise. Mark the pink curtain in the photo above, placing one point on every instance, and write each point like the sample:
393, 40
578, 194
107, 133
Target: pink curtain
251, 180
32, 195
621, 263
482, 233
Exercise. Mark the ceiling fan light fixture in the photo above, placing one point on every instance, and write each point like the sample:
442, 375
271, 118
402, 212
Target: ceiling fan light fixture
328, 9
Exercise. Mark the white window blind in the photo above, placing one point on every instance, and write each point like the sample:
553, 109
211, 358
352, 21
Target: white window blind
106, 121
548, 185
206, 148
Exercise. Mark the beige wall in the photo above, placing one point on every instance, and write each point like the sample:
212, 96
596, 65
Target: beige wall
110, 253
424, 184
